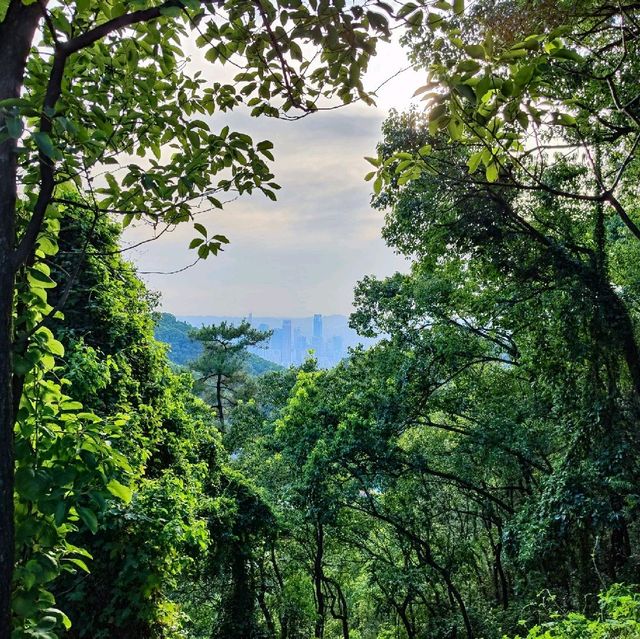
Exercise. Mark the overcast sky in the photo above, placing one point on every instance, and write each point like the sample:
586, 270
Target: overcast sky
304, 253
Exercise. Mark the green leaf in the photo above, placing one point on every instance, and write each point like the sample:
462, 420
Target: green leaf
23, 605
44, 143
566, 120
22, 365
507, 88
71, 405
524, 75
474, 161
437, 112
467, 92
422, 89
60, 512
55, 347
200, 228
120, 490
567, 54
469, 66
476, 51
40, 279
515, 53
434, 20
77, 562
15, 127
60, 616
523, 119
492, 172
415, 19
406, 9
89, 518
455, 128
29, 485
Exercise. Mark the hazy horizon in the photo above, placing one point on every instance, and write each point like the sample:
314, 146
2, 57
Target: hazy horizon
255, 316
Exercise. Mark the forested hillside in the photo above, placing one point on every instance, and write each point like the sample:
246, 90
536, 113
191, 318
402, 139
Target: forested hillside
183, 349
472, 475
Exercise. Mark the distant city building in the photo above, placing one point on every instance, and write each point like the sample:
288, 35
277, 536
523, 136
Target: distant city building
336, 348
317, 340
275, 346
329, 336
300, 347
317, 326
285, 351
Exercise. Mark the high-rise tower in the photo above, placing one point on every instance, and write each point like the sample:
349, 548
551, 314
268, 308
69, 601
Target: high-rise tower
317, 340
285, 354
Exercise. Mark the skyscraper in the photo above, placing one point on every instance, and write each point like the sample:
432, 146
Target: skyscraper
317, 340
285, 354
317, 326
336, 349
300, 347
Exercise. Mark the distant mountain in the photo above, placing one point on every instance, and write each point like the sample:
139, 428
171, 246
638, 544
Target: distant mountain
183, 349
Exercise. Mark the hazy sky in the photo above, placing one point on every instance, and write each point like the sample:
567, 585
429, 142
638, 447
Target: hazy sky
304, 253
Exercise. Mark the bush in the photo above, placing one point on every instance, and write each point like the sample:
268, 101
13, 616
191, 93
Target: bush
619, 618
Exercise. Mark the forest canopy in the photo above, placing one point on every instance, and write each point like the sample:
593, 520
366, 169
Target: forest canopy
474, 474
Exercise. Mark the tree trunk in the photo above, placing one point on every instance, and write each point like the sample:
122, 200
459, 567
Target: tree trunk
343, 615
401, 610
7, 541
318, 578
454, 594
219, 400
16, 35
238, 610
266, 613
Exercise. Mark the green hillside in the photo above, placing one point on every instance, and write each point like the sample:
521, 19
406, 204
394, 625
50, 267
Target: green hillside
183, 349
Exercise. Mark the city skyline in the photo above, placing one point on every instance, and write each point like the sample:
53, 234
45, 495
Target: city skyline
293, 338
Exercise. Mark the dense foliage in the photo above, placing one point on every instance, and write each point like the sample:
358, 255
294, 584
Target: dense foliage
101, 97
474, 474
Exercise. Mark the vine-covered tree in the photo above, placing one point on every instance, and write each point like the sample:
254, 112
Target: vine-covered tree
86, 86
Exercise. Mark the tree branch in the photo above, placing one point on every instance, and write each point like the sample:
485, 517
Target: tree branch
54, 88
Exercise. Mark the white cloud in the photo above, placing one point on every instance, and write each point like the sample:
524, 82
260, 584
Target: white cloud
304, 253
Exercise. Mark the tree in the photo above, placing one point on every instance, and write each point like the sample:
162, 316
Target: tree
521, 289
223, 361
526, 104
107, 79
130, 467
